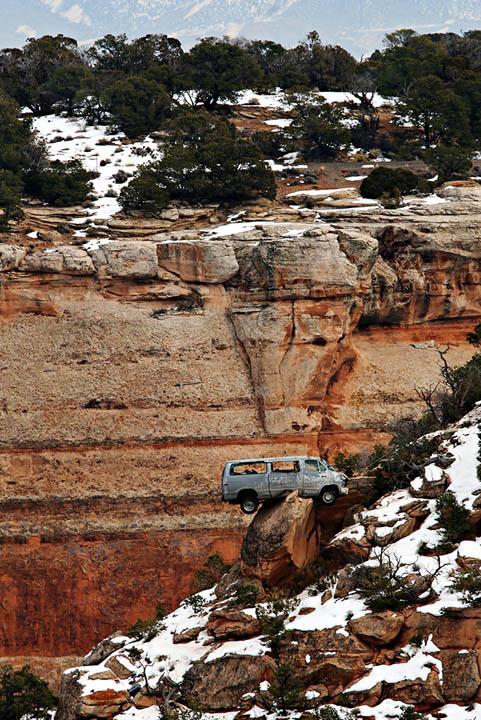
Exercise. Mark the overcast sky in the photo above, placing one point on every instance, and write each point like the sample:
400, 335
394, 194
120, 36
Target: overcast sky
358, 25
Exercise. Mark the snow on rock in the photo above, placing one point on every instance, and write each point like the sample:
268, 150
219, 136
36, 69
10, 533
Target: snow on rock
277, 99
279, 122
417, 667
320, 193
331, 614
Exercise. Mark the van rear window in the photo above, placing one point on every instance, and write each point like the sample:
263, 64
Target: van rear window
257, 468
285, 466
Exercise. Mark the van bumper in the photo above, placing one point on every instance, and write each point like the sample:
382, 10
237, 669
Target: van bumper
344, 491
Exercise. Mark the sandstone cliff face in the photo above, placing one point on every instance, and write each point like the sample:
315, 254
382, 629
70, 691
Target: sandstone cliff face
132, 370
421, 650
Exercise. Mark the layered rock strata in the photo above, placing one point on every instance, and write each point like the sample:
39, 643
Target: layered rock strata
131, 371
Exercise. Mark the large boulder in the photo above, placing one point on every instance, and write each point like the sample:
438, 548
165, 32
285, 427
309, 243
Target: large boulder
66, 260
282, 539
314, 265
348, 547
461, 678
427, 692
200, 261
105, 648
220, 684
10, 257
328, 657
377, 629
136, 260
456, 633
76, 702
229, 623
461, 190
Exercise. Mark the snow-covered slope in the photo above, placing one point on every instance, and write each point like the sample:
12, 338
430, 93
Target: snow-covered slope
382, 660
100, 151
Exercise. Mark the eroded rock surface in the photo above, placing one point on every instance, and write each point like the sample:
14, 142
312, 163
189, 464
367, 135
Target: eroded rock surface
158, 358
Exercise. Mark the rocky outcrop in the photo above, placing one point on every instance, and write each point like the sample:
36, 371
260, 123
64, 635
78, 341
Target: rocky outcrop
283, 538
228, 623
208, 261
158, 358
378, 629
221, 683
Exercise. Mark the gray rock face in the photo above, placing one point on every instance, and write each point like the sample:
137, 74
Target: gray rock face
202, 261
67, 260
126, 260
221, 683
10, 257
311, 265
105, 648
462, 193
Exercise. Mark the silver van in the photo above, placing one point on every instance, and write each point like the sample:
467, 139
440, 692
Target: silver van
249, 482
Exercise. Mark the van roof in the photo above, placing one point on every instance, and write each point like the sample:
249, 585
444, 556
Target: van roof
273, 459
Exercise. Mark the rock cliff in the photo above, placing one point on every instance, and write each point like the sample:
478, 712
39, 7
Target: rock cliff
390, 629
132, 369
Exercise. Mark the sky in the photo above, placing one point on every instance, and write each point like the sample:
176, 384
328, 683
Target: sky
358, 25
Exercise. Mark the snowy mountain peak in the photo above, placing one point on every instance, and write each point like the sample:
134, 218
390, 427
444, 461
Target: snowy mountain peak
357, 24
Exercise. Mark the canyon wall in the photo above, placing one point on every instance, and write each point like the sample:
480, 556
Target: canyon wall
130, 371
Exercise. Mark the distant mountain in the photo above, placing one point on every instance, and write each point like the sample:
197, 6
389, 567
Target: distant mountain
357, 24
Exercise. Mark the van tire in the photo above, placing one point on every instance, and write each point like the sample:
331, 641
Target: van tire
329, 495
249, 502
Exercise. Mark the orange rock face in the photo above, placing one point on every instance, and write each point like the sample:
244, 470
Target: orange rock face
129, 376
102, 582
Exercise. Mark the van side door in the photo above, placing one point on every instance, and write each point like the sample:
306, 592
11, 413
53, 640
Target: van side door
284, 476
316, 475
249, 476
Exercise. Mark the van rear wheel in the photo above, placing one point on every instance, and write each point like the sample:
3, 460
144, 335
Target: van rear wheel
249, 502
328, 496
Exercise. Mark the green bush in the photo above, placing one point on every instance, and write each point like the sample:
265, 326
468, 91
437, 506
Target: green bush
147, 629
11, 187
468, 584
137, 105
452, 517
318, 126
62, 184
284, 691
271, 144
23, 695
450, 163
399, 463
349, 464
204, 161
385, 181
463, 391
195, 602
245, 594
210, 573
385, 586
410, 713
328, 712
144, 194
273, 617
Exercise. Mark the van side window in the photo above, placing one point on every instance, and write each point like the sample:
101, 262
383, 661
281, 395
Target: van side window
323, 465
255, 468
285, 466
312, 465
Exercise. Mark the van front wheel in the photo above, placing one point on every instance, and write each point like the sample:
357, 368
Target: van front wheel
249, 502
328, 496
